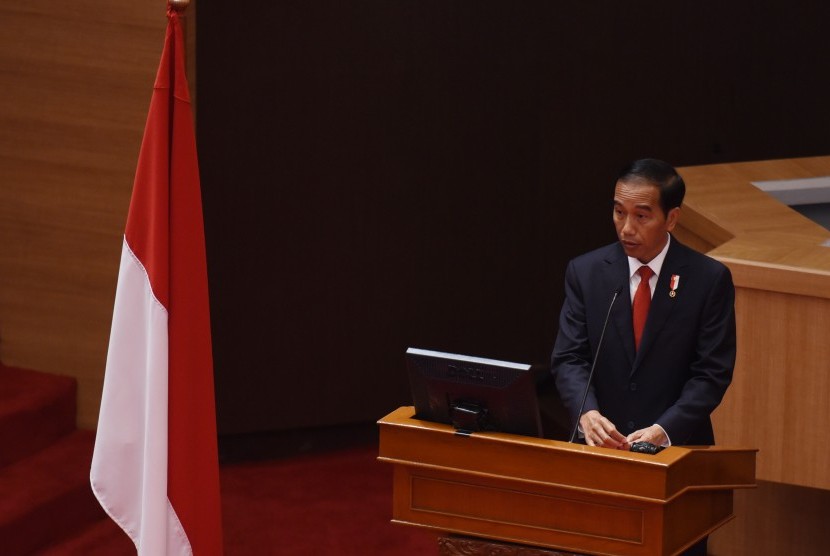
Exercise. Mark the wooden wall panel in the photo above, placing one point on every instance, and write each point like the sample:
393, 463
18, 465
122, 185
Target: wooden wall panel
779, 400
773, 520
75, 84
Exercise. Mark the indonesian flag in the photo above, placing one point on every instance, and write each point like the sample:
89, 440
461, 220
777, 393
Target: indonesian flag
155, 468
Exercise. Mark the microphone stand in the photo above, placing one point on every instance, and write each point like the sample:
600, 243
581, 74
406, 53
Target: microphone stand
593, 366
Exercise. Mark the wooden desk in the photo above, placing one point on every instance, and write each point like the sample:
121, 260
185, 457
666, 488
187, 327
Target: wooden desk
780, 397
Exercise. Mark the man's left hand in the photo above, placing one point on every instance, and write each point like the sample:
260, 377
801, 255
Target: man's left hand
654, 434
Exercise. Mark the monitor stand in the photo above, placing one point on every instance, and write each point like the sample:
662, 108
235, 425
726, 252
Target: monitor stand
468, 418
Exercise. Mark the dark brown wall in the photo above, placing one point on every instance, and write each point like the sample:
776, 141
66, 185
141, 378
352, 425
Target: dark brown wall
383, 174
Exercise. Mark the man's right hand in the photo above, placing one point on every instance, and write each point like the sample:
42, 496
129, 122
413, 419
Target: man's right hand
599, 431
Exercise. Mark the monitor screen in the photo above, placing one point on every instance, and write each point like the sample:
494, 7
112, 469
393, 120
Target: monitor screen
472, 393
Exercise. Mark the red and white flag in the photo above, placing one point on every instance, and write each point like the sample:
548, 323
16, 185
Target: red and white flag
155, 468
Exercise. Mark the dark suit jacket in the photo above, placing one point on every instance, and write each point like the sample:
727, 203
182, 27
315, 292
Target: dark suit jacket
686, 356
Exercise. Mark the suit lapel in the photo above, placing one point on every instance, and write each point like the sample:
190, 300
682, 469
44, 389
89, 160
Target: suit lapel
662, 302
621, 312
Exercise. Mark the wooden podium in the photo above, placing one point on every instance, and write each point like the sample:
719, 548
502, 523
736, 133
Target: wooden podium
545, 493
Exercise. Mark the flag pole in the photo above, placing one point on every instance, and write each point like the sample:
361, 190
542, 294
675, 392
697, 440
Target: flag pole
188, 37
178, 5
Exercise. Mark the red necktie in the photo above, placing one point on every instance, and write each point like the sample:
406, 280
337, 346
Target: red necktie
642, 301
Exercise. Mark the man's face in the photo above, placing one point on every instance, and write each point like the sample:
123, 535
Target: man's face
640, 221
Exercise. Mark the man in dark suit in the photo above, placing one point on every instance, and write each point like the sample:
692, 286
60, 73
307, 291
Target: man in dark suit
660, 384
669, 348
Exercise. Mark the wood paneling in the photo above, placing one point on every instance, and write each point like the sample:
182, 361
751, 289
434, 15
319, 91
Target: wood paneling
780, 397
75, 84
781, 389
775, 519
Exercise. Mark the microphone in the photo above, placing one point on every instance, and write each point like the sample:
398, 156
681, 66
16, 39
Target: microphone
594, 364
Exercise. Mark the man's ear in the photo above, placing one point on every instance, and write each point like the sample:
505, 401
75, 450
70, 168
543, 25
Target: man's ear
672, 217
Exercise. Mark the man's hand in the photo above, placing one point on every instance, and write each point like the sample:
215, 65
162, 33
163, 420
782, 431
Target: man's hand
654, 434
599, 431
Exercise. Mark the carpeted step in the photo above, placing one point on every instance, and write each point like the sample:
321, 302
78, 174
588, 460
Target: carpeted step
47, 496
36, 409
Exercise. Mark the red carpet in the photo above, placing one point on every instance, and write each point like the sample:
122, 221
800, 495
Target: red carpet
334, 503
337, 503
336, 500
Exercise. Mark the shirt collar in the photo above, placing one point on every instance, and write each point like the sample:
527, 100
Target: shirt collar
656, 264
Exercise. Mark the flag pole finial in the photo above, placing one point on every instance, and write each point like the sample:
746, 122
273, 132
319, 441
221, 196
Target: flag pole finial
178, 5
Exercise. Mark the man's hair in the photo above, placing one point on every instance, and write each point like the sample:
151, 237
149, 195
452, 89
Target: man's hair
658, 173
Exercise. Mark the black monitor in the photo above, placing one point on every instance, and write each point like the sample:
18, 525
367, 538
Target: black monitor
472, 393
